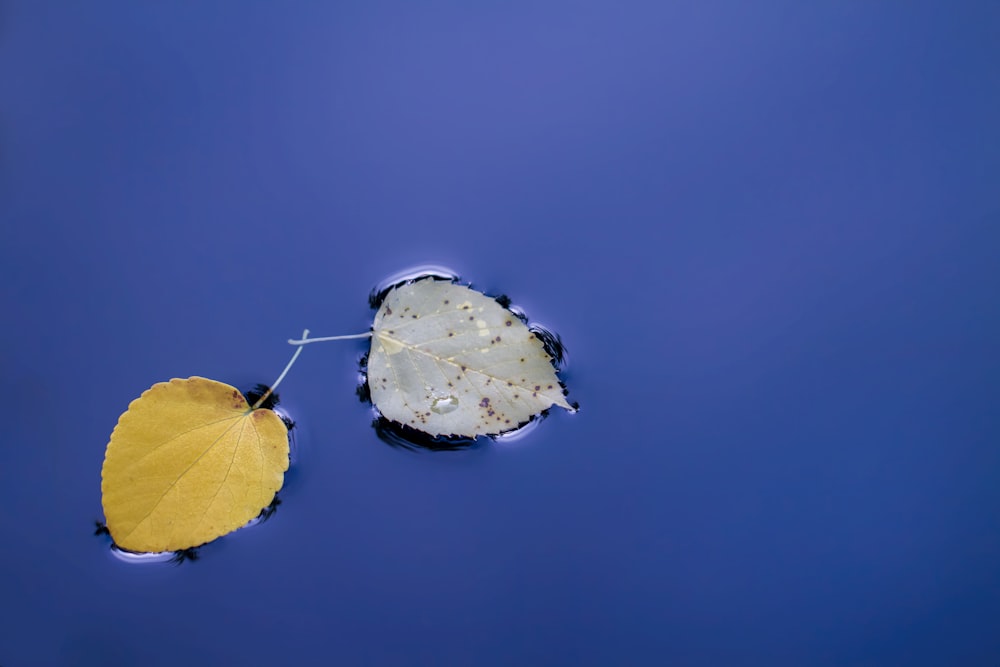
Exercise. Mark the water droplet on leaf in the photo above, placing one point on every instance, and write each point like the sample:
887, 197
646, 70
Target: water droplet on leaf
443, 406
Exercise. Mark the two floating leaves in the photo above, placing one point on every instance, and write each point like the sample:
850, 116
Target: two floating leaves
190, 460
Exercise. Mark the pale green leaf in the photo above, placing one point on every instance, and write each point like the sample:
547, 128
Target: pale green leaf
448, 360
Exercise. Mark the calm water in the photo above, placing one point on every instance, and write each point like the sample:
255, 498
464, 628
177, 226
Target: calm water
767, 236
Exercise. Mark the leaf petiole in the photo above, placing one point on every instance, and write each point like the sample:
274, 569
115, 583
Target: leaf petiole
304, 340
260, 401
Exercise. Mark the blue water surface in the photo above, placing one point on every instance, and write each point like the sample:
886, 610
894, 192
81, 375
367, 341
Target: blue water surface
767, 233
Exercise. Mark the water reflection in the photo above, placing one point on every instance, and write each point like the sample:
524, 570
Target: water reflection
265, 513
126, 556
405, 437
377, 295
133, 557
272, 403
183, 555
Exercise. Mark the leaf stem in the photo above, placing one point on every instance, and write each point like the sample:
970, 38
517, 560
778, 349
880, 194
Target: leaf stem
304, 340
270, 390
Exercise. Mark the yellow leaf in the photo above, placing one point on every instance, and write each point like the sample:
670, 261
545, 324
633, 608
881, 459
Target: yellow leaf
189, 461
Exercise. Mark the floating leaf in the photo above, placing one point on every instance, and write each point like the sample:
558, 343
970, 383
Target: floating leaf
190, 461
449, 360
